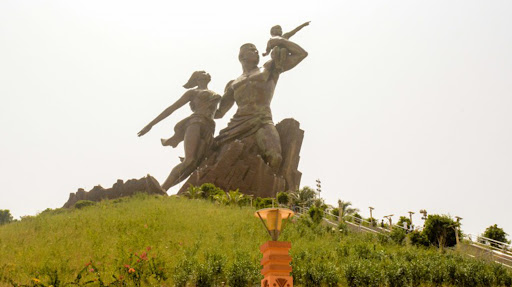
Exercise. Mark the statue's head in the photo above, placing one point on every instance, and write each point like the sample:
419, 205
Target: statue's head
276, 31
196, 78
248, 54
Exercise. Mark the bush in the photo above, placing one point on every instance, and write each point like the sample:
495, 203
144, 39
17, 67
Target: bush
263, 202
398, 235
316, 214
283, 198
182, 271
84, 203
418, 239
209, 190
243, 271
397, 274
363, 273
5, 216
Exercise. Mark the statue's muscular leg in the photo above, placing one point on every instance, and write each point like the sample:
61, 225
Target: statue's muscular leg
269, 144
192, 144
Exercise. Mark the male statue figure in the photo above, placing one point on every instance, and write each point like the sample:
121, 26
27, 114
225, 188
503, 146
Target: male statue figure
253, 92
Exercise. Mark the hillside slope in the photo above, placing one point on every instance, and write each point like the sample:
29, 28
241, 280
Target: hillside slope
168, 241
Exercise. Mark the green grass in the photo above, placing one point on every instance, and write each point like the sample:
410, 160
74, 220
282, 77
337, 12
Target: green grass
205, 244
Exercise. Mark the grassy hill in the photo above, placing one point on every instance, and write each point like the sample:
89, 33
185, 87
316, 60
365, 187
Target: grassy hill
168, 241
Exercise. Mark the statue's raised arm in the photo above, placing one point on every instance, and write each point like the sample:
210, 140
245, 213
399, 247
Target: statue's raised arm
296, 53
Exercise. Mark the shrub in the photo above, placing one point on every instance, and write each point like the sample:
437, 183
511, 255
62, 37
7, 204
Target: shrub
84, 203
397, 274
316, 214
209, 190
503, 278
363, 273
5, 216
283, 198
263, 202
203, 275
216, 263
242, 271
398, 235
417, 238
183, 270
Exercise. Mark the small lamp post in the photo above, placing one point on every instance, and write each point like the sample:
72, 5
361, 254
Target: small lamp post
276, 258
424, 212
410, 215
390, 220
371, 215
456, 229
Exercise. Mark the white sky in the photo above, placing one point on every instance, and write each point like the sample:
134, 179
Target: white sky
405, 104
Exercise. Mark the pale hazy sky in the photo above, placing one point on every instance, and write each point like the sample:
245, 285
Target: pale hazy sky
405, 104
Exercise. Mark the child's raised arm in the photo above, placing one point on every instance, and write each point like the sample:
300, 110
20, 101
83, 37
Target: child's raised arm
292, 32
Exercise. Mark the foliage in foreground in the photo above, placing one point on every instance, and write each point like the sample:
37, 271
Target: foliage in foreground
169, 241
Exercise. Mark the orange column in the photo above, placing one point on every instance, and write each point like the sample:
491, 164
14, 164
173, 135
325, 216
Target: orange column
276, 264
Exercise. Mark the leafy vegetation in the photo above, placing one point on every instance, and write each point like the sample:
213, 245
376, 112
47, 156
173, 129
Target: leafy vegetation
496, 233
440, 230
5, 216
174, 241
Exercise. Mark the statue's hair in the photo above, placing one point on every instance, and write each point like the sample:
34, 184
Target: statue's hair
276, 27
192, 82
246, 45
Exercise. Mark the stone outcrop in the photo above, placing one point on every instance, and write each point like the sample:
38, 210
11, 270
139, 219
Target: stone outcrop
237, 164
120, 189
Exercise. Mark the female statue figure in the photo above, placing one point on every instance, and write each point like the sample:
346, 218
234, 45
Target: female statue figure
196, 131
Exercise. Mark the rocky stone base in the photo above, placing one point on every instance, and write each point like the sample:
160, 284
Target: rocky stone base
120, 189
238, 164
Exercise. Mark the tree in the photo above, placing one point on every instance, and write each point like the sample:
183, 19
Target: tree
344, 208
235, 197
440, 230
5, 216
496, 233
402, 220
303, 197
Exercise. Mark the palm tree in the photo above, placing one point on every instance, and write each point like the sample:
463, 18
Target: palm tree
344, 208
235, 197
303, 197
194, 192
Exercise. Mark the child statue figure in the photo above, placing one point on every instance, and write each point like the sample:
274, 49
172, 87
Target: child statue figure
281, 52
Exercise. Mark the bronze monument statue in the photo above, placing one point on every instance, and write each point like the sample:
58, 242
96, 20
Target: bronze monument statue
196, 131
251, 153
253, 92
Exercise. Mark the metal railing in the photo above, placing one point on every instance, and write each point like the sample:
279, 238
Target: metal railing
499, 251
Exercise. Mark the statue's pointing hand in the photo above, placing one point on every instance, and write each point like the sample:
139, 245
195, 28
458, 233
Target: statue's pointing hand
144, 130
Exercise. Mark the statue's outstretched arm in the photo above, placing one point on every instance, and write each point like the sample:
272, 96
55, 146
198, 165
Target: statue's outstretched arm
167, 112
292, 32
227, 101
297, 54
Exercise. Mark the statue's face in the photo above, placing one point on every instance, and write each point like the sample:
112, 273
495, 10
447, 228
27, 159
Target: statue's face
205, 77
249, 54
276, 31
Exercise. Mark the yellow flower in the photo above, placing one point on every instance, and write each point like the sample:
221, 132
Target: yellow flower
36, 280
